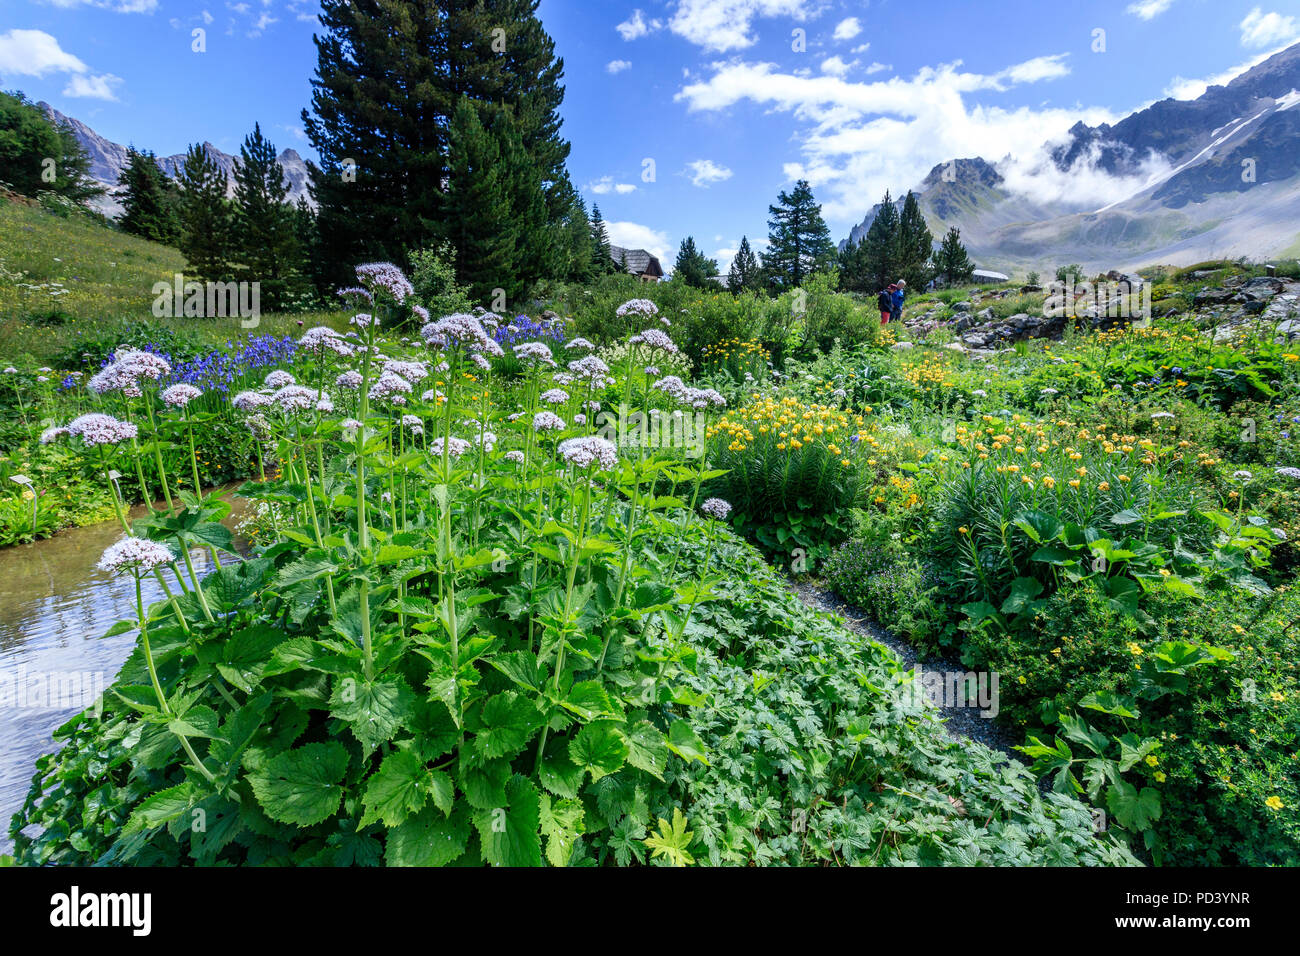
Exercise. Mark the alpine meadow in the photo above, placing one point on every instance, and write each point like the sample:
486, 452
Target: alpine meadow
713, 433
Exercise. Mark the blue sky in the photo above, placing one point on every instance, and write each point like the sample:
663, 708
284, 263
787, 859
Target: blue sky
721, 95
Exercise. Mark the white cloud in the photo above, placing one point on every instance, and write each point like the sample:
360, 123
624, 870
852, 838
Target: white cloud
37, 53
637, 26
860, 138
1260, 29
92, 87
861, 48
705, 172
722, 25
835, 66
847, 29
117, 6
617, 66
606, 185
1149, 9
877, 68
633, 235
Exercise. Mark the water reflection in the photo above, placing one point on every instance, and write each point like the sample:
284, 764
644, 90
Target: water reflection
55, 606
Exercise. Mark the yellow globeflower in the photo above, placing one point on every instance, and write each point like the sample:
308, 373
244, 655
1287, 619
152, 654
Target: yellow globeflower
1274, 803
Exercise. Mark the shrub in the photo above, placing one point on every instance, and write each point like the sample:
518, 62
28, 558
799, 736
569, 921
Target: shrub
790, 473
1223, 769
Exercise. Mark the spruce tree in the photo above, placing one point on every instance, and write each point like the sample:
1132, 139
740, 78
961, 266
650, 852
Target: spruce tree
265, 242
602, 259
799, 243
389, 76
693, 267
879, 253
205, 215
577, 242
915, 244
149, 199
951, 261
745, 272
477, 219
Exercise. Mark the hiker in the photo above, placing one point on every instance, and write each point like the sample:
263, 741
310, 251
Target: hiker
900, 293
885, 303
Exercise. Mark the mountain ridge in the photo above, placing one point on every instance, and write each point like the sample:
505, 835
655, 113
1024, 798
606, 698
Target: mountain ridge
108, 159
1217, 176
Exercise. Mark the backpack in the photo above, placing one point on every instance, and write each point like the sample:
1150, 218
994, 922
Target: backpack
885, 302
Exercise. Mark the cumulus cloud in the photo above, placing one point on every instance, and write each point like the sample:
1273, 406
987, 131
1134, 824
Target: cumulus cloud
861, 138
606, 185
705, 172
37, 53
633, 235
1260, 29
835, 66
847, 28
1149, 9
722, 25
617, 66
637, 26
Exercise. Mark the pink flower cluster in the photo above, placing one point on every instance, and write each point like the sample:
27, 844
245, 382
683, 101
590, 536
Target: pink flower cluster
590, 450
97, 428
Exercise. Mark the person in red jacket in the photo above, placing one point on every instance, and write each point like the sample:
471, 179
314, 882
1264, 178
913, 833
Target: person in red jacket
885, 303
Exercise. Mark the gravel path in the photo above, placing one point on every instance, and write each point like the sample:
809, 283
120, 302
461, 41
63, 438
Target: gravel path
960, 723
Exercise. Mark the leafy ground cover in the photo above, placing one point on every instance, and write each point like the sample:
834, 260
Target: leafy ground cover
482, 632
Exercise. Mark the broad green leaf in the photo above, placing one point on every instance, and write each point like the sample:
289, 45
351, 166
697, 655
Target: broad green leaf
302, 786
509, 835
599, 748
428, 839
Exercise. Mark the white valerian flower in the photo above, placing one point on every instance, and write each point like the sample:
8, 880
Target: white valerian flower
716, 508
180, 395
590, 450
137, 555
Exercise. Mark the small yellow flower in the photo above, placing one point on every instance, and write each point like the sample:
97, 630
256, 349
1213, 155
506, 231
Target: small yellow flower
1274, 803
1152, 761
1134, 648
1160, 776
963, 530
1103, 486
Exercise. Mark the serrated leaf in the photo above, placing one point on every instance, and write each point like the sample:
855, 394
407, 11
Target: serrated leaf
302, 786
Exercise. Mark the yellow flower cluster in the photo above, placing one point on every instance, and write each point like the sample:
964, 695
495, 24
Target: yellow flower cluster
791, 424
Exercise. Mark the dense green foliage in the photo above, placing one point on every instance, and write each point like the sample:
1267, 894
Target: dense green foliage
39, 156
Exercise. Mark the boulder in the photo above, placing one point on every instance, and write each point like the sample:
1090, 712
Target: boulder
1212, 296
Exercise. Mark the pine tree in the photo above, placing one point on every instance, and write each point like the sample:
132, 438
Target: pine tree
265, 242
951, 261
799, 243
39, 155
693, 267
602, 259
390, 74
915, 244
149, 199
745, 271
879, 249
205, 215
